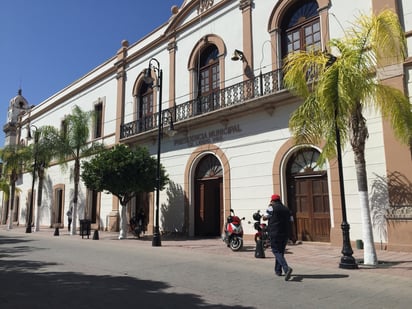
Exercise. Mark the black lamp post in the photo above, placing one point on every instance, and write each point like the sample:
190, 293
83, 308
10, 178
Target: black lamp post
36, 139
347, 261
148, 79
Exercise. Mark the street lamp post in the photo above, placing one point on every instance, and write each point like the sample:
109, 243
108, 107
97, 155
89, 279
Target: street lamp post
36, 139
148, 79
347, 261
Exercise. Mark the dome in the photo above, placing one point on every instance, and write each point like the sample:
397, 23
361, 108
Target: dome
19, 101
17, 105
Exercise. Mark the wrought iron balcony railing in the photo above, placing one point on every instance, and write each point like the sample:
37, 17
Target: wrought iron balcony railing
261, 85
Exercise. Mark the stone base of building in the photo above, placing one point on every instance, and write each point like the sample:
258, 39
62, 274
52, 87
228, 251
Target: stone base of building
400, 235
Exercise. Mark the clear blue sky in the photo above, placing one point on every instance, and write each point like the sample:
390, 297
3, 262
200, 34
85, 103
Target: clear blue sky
46, 45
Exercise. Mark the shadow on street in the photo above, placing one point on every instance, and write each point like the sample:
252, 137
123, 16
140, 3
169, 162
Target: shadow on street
299, 278
26, 283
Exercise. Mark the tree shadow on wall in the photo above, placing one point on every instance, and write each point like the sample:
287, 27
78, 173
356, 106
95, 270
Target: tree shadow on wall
175, 211
390, 196
32, 284
81, 203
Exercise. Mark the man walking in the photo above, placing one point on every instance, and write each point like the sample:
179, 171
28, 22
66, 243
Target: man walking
279, 222
69, 218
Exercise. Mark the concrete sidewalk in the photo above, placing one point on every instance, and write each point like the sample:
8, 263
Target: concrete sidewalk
307, 253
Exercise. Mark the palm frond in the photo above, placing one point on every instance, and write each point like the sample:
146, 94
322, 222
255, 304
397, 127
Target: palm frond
5, 188
301, 71
371, 33
306, 123
395, 107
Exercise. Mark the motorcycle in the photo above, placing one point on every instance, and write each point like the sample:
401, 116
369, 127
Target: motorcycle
137, 226
233, 232
262, 232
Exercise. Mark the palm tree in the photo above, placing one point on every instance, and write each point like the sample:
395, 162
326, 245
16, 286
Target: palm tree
72, 144
14, 157
43, 151
336, 90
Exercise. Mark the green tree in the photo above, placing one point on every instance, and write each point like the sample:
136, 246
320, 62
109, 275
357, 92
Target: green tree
124, 172
5, 188
72, 144
337, 89
14, 158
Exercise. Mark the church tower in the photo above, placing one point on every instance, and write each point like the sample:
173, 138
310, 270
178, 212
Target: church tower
17, 107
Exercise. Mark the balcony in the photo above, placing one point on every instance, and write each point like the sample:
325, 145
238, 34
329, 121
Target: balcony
261, 85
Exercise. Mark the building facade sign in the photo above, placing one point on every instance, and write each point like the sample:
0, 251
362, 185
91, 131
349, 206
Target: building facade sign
208, 137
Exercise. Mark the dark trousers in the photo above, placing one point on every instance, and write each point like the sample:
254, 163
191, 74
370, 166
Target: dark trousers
70, 223
278, 249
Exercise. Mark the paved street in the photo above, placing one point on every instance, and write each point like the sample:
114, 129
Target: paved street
39, 270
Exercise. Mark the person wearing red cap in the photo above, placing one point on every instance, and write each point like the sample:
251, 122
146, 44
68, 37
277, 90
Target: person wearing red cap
279, 221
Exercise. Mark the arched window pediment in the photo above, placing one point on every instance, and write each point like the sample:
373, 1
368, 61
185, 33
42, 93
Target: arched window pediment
305, 161
209, 167
300, 13
203, 44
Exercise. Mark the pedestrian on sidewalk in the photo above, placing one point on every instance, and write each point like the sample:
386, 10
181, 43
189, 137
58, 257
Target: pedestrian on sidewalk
279, 227
69, 218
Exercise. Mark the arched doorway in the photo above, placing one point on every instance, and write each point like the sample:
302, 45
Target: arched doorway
208, 197
308, 196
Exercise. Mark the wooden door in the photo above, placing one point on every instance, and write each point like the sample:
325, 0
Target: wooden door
208, 207
311, 208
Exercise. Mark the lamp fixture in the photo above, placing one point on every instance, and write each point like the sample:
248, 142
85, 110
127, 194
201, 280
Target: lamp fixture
237, 55
147, 76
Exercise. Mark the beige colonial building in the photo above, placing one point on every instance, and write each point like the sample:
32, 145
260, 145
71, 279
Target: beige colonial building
222, 87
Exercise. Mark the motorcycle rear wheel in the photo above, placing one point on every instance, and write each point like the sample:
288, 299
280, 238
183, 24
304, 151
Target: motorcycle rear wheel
236, 244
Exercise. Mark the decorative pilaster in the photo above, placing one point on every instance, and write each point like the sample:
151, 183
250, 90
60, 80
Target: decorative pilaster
113, 217
171, 47
243, 4
248, 67
121, 80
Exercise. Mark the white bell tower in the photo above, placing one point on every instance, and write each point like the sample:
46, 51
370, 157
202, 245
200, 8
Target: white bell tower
17, 107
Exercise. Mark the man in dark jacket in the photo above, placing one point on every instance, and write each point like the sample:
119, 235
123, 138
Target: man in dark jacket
279, 227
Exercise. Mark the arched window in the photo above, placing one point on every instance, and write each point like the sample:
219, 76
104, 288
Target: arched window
209, 167
301, 27
145, 107
305, 161
208, 79
209, 71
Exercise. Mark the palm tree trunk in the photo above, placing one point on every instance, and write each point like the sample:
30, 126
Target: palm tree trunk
358, 141
76, 196
11, 203
40, 174
74, 212
369, 251
5, 211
